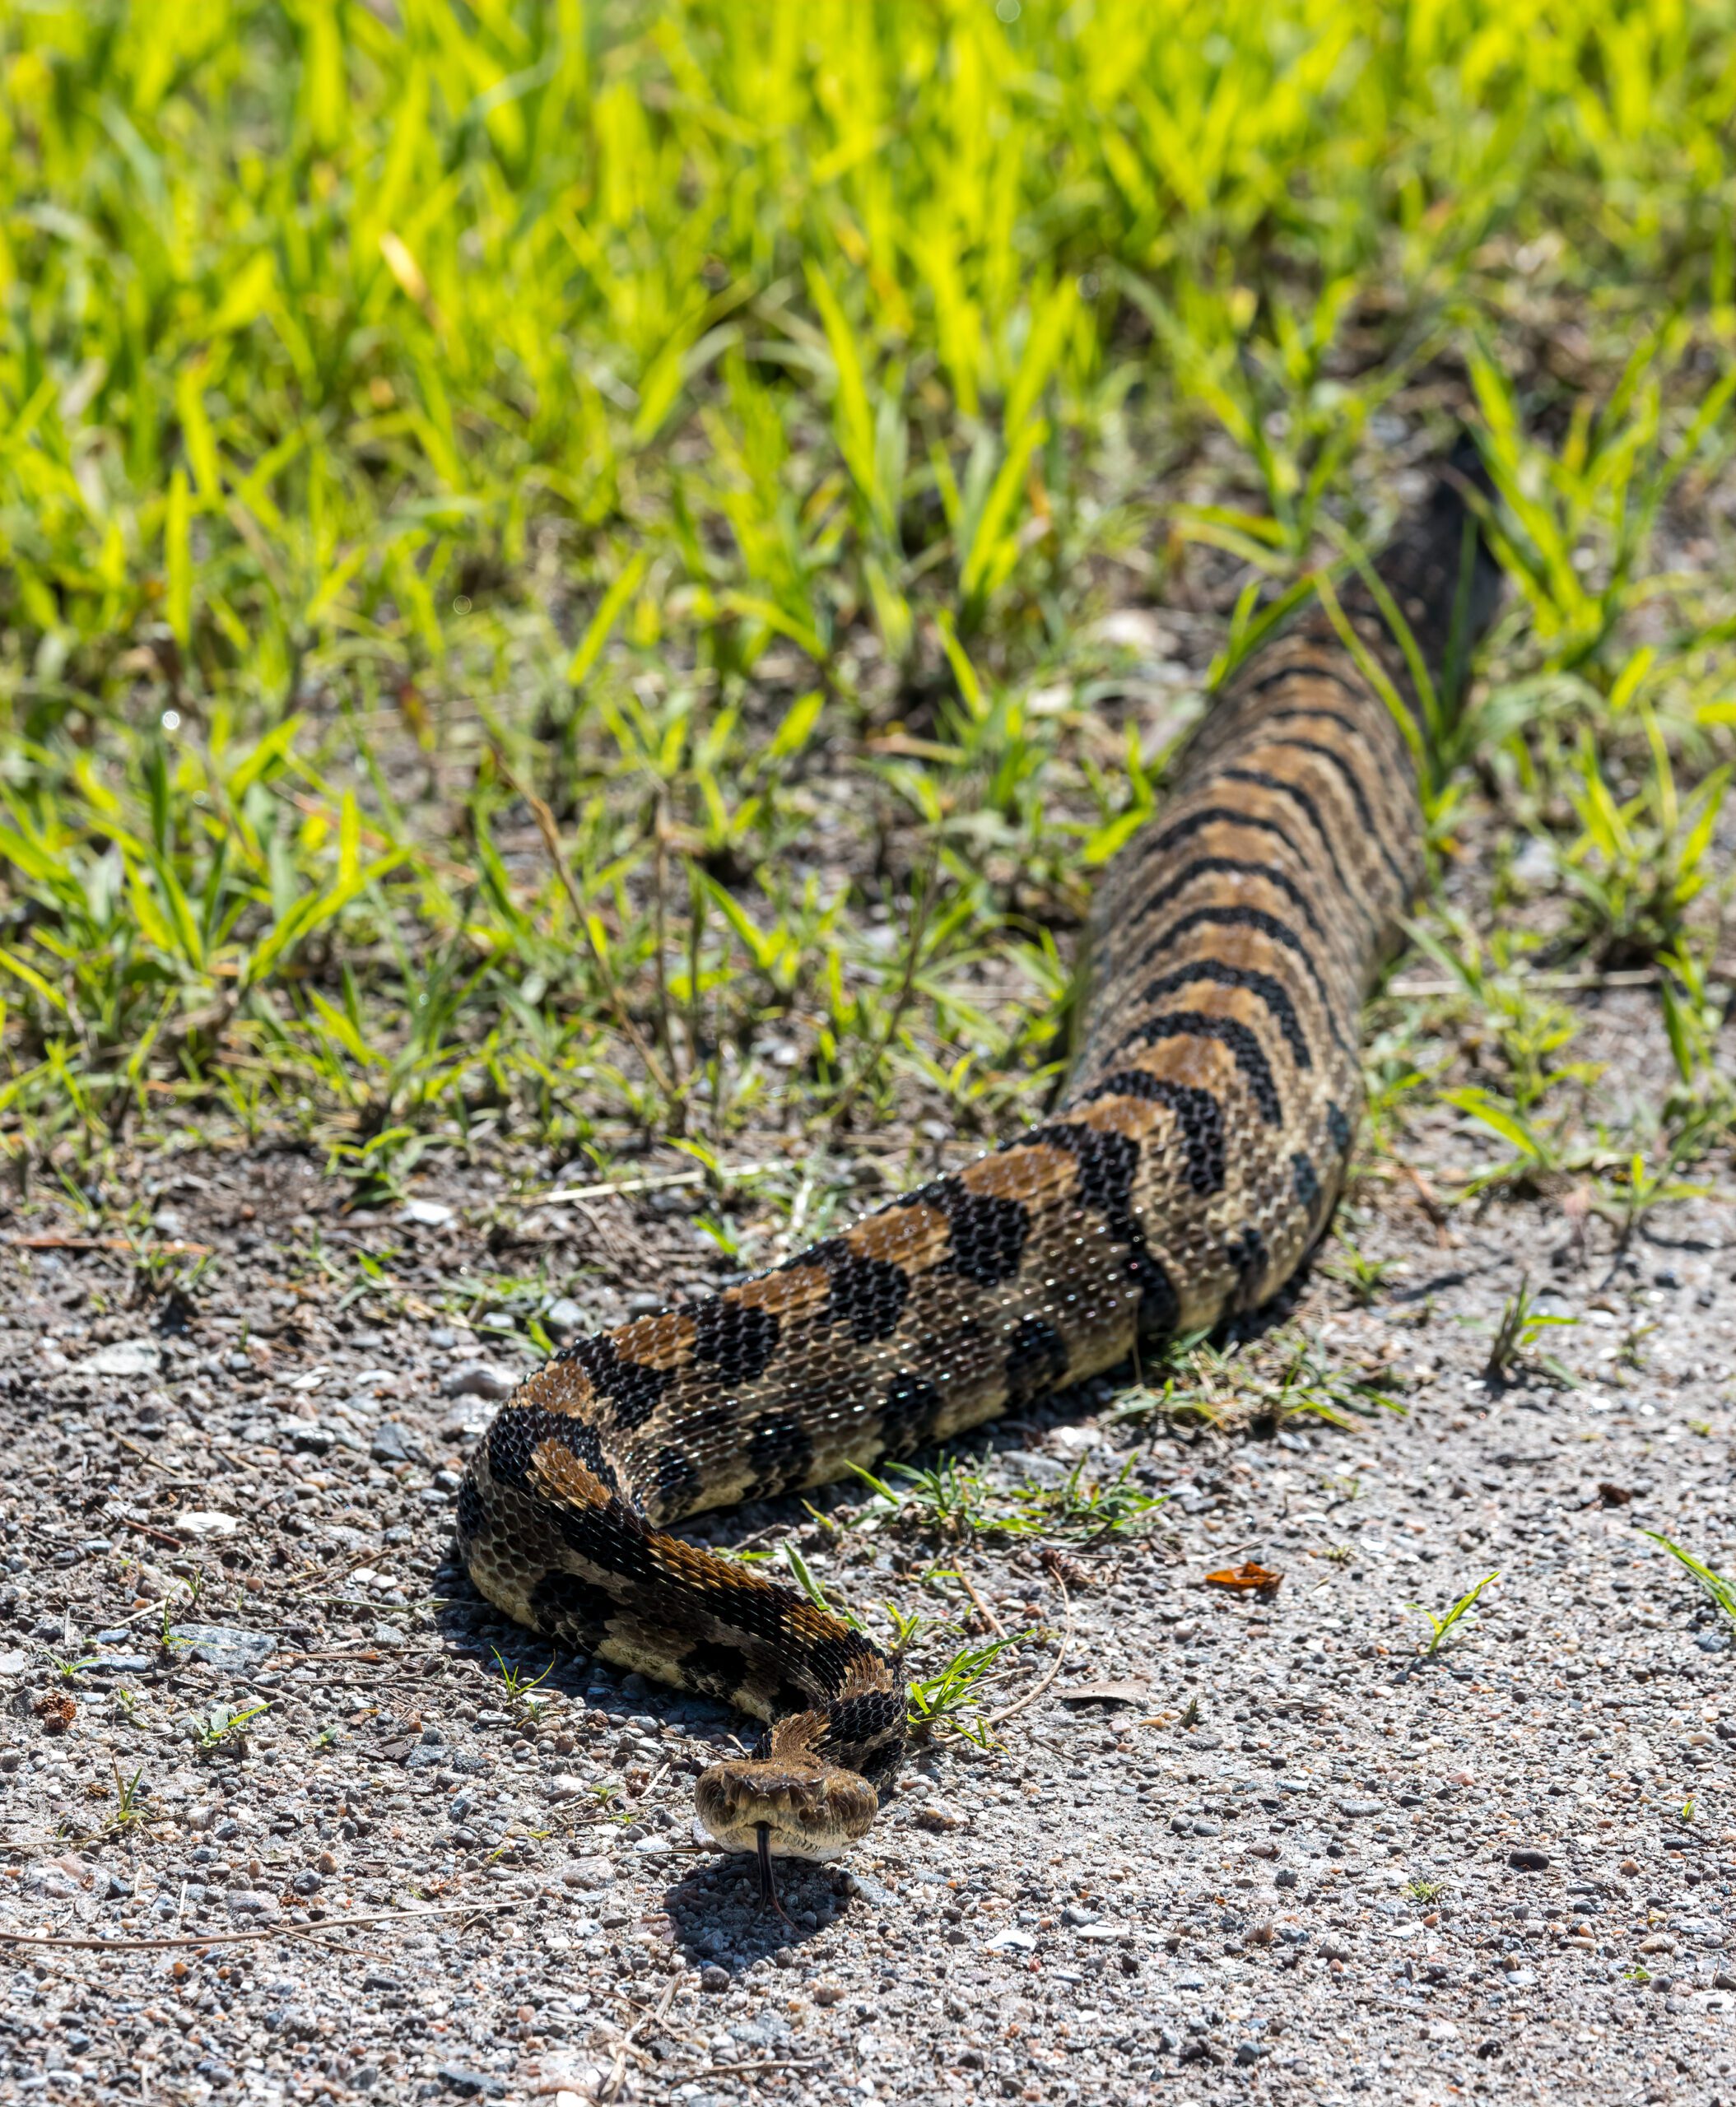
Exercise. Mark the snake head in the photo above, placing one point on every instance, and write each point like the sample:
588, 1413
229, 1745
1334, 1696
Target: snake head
790, 1807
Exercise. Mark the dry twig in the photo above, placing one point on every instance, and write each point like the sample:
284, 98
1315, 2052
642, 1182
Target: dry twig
233, 1938
1020, 1705
994, 1622
610, 2087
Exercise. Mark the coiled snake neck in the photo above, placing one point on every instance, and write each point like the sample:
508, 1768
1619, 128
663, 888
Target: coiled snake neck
1196, 1155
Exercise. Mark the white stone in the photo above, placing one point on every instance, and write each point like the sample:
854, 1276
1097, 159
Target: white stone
201, 1524
571, 2081
476, 1379
126, 1357
1135, 629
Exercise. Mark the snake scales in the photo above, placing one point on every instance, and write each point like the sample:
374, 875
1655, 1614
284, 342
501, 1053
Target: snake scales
1195, 1157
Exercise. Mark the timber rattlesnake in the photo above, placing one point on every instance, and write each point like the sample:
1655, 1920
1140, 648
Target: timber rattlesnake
1195, 1157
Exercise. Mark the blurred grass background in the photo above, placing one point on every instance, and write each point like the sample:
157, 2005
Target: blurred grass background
554, 557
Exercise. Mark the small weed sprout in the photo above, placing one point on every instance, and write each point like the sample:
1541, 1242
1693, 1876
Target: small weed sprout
945, 1500
1520, 1327
723, 1232
129, 1799
376, 1169
1305, 1384
1537, 1153
951, 1698
810, 1587
1526, 1030
1280, 1377
951, 1503
1423, 1892
1363, 1275
1094, 1511
1440, 1626
906, 1625
1704, 1103
519, 1687
518, 1838
1636, 866
1721, 1591
1629, 1194
225, 1725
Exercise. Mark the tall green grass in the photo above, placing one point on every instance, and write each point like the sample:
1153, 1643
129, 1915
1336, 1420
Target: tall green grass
410, 410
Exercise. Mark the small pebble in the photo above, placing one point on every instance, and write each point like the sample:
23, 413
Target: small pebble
478, 1379
941, 1815
563, 1318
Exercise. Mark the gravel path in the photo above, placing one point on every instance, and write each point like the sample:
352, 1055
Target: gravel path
1283, 1856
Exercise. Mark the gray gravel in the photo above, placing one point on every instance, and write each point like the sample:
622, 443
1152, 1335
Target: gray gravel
1287, 1853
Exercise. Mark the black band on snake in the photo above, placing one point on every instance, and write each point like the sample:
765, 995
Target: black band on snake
1195, 1157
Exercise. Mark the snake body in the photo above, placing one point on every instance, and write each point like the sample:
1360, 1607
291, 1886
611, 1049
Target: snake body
1195, 1156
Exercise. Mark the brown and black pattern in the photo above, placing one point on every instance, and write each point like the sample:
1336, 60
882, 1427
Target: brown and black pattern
1196, 1157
